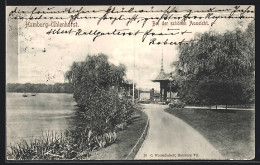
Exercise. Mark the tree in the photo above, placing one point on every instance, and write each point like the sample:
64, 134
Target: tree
40, 88
218, 68
96, 85
94, 74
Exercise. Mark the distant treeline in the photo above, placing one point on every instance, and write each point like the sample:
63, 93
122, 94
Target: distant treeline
39, 88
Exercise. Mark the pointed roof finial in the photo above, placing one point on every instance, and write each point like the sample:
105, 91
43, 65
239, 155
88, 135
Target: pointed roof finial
162, 60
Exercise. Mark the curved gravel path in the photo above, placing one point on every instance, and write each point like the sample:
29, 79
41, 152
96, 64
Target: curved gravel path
171, 138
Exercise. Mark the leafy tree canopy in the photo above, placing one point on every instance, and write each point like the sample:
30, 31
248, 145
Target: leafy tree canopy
94, 74
218, 68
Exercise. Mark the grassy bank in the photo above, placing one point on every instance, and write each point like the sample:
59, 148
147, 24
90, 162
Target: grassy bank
231, 132
126, 139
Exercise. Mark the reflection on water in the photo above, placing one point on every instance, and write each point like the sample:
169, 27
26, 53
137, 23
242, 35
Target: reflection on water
26, 117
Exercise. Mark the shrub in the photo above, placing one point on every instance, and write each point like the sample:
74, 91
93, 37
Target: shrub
51, 146
70, 145
177, 104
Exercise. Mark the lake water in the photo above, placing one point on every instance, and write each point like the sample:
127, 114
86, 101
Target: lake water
27, 117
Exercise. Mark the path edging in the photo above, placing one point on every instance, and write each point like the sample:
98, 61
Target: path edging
139, 143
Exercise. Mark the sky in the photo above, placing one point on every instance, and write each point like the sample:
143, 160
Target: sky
43, 57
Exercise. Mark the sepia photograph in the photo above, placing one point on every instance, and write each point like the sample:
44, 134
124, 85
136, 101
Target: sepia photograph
133, 82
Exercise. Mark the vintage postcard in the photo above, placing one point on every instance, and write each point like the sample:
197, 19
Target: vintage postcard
146, 82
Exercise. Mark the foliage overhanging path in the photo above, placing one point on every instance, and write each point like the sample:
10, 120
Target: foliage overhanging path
169, 135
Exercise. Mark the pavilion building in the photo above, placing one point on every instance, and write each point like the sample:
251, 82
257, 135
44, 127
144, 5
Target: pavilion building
163, 79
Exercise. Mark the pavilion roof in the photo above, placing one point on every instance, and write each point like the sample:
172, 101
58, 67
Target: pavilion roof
162, 77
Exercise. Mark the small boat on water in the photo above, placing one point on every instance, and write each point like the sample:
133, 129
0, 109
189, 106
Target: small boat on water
25, 95
33, 94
